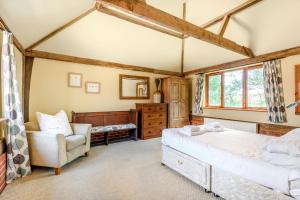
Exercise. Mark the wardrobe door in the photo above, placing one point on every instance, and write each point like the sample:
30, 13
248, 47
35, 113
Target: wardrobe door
184, 99
174, 114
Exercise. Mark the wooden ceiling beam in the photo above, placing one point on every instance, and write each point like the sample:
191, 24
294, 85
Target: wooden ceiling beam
231, 12
88, 61
63, 27
249, 61
4, 27
137, 21
183, 39
162, 18
224, 25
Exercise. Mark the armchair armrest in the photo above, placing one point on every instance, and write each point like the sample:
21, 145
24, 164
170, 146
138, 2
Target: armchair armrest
46, 149
83, 129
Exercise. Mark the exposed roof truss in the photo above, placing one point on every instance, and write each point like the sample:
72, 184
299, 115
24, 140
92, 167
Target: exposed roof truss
159, 17
231, 12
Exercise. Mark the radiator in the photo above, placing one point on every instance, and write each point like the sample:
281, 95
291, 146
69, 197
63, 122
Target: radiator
238, 125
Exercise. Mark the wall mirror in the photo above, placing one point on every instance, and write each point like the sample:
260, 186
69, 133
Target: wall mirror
134, 87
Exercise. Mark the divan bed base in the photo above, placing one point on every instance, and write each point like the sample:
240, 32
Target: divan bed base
193, 169
233, 187
220, 182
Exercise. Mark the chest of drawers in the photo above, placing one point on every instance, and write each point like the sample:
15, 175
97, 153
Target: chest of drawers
152, 119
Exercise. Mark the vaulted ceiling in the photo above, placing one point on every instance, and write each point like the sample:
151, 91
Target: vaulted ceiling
268, 26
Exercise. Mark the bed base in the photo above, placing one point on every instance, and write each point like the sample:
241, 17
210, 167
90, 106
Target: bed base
229, 186
220, 182
193, 169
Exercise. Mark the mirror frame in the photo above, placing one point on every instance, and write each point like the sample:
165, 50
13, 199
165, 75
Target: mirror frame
123, 76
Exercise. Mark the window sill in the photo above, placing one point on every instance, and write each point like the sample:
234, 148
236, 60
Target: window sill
239, 109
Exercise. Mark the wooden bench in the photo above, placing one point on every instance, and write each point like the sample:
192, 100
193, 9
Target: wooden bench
105, 127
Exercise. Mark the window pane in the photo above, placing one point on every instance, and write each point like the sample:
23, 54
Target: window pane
214, 92
255, 85
233, 89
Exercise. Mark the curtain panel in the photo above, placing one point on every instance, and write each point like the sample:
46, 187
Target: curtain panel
274, 91
198, 99
18, 164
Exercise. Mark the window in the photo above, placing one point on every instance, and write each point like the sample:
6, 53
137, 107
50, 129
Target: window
255, 88
236, 89
215, 90
233, 89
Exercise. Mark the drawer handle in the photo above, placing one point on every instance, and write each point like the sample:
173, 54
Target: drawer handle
149, 115
179, 162
149, 123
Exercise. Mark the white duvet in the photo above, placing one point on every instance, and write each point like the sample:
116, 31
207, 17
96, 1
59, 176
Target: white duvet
237, 152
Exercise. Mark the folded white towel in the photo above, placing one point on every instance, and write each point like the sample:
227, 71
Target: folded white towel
212, 127
191, 133
191, 128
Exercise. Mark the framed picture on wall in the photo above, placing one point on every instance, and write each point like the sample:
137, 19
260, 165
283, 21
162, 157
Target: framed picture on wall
92, 87
74, 80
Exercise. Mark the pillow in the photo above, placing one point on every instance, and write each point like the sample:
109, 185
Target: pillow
293, 134
56, 124
282, 160
286, 144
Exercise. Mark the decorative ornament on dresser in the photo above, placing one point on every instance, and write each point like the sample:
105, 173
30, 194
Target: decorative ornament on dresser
157, 93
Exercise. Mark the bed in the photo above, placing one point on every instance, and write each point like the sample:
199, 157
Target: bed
228, 163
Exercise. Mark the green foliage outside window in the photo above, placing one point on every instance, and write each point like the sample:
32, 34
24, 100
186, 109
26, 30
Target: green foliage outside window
233, 89
214, 93
255, 85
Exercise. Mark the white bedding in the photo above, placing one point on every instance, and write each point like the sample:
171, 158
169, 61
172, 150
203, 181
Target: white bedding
237, 152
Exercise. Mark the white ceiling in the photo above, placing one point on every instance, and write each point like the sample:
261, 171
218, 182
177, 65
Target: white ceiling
100, 36
269, 26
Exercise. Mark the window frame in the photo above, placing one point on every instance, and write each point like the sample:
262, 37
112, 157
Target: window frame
245, 106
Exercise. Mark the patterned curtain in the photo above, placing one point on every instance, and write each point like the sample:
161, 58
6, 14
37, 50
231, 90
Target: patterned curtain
18, 164
274, 91
199, 94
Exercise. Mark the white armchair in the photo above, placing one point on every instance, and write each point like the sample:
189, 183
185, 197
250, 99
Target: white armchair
56, 150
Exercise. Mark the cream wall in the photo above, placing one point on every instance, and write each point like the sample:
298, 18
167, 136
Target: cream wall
49, 90
288, 67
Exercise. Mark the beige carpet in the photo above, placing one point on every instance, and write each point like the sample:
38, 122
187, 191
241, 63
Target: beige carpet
121, 171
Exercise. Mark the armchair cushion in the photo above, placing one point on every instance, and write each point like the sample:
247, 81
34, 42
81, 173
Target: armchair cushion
74, 141
55, 124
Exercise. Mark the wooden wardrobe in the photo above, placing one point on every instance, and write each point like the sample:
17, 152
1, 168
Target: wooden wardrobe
176, 94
